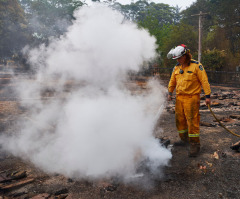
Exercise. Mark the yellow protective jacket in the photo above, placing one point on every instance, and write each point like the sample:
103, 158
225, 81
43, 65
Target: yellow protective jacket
190, 81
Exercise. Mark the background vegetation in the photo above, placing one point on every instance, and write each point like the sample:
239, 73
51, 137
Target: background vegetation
33, 22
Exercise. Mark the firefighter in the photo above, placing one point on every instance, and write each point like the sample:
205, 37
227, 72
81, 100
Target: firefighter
188, 77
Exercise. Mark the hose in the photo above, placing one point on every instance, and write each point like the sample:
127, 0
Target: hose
221, 123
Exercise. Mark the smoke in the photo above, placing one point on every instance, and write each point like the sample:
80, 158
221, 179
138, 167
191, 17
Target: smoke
92, 125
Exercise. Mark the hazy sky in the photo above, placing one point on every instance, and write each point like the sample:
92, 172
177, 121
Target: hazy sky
181, 3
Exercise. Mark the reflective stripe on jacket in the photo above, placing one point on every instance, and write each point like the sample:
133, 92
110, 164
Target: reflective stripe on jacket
190, 81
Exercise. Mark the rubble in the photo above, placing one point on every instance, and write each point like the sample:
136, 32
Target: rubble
235, 117
207, 124
215, 155
41, 196
6, 177
218, 162
236, 147
164, 142
14, 185
224, 119
62, 191
18, 194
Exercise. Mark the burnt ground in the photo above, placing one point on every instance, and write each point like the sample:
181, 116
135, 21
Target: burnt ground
213, 174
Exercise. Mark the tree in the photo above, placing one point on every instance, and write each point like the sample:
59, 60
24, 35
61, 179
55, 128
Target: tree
49, 18
228, 13
214, 60
221, 28
179, 34
156, 18
216, 38
131, 12
13, 28
163, 13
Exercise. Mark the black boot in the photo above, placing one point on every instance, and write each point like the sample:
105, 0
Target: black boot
194, 149
184, 140
181, 143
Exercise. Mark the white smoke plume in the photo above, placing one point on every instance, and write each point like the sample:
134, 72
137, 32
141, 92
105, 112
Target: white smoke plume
99, 129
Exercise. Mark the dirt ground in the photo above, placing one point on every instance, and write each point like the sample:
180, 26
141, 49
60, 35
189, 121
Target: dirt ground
213, 174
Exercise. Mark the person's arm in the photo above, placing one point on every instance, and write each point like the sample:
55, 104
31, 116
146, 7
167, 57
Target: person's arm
202, 76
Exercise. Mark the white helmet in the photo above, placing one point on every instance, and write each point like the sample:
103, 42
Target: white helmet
177, 52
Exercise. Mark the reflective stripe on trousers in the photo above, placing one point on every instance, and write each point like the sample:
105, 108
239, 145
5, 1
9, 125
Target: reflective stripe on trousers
183, 131
187, 116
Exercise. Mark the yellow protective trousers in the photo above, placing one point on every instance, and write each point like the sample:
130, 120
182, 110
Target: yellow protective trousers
188, 117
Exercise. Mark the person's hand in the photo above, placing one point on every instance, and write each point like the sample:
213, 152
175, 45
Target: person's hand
208, 101
169, 98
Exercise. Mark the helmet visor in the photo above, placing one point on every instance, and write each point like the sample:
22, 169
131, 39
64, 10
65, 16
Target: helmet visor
177, 52
170, 55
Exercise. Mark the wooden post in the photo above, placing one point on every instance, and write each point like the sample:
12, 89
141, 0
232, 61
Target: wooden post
200, 34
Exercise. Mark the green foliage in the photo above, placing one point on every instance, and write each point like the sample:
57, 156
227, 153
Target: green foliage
163, 13
49, 18
228, 13
32, 22
195, 8
158, 19
132, 11
214, 60
141, 10
220, 27
13, 28
179, 34
35, 21
216, 38
160, 32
